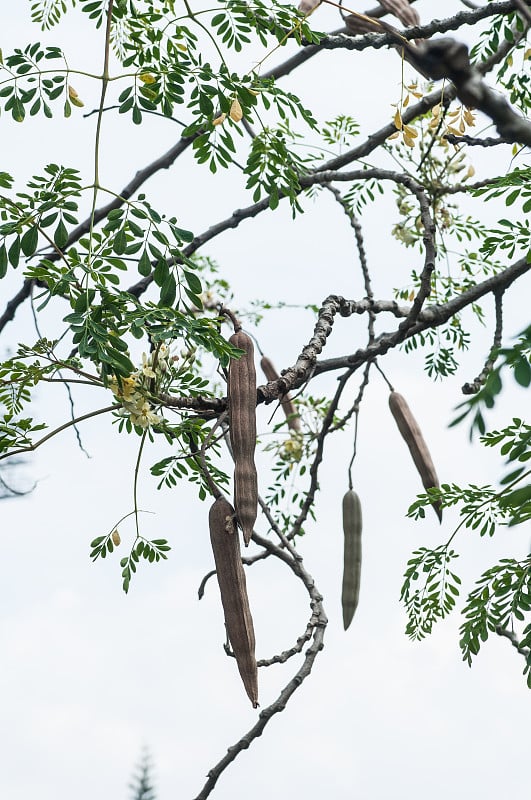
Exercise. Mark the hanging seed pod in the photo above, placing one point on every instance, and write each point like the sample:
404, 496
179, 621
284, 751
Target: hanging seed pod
241, 393
352, 525
411, 433
293, 419
231, 579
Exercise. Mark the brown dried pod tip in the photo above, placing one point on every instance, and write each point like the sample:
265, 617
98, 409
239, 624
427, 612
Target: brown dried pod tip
241, 394
293, 419
411, 433
233, 589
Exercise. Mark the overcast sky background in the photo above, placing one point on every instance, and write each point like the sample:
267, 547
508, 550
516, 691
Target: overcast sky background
89, 676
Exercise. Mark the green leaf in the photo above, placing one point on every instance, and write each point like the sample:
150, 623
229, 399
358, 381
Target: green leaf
522, 372
29, 241
144, 264
186, 236
60, 236
194, 298
516, 498
3, 261
193, 282
14, 252
168, 291
120, 362
17, 111
120, 242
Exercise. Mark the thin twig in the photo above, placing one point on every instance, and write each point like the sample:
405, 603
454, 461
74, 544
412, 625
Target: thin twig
356, 226
477, 383
475, 141
30, 448
318, 457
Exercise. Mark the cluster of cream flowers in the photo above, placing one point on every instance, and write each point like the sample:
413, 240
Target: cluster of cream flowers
131, 391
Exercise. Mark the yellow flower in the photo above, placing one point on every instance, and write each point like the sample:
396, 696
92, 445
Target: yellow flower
125, 390
144, 416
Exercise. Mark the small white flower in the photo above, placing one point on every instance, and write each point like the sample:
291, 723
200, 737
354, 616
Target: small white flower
144, 416
147, 368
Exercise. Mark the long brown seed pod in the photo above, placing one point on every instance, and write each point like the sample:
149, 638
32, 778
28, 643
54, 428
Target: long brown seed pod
293, 419
232, 586
411, 433
352, 525
241, 393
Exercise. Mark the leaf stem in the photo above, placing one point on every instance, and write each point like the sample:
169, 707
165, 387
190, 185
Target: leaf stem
61, 428
135, 483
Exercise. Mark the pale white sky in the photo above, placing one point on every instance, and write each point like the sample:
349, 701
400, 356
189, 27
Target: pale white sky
89, 675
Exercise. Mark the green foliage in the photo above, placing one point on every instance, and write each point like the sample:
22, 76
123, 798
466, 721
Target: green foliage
151, 551
292, 458
512, 75
273, 169
15, 433
27, 87
187, 440
436, 597
518, 359
502, 596
503, 592
515, 185
340, 131
50, 202
442, 361
361, 193
500, 29
47, 13
512, 237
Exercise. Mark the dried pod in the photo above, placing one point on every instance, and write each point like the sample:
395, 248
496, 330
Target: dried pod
307, 6
233, 589
288, 408
241, 393
352, 525
402, 10
411, 433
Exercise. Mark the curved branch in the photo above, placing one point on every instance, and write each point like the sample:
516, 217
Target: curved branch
475, 141
356, 227
164, 161
379, 40
430, 317
446, 58
307, 364
73, 422
13, 304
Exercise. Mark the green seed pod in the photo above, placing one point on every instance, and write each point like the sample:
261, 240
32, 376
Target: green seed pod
352, 525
